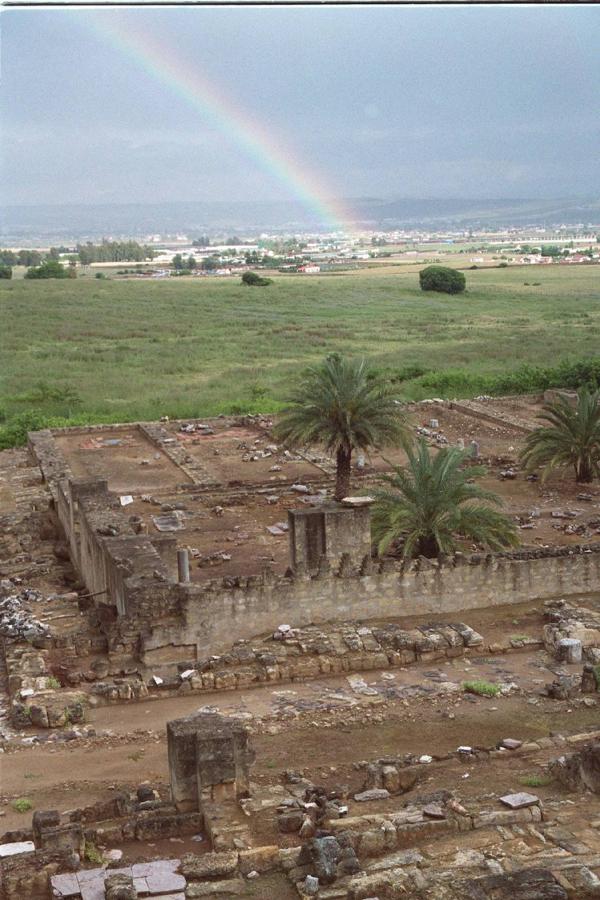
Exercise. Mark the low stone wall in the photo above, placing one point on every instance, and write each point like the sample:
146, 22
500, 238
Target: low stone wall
478, 411
243, 607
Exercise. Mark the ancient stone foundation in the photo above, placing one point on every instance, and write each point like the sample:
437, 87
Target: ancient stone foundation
209, 759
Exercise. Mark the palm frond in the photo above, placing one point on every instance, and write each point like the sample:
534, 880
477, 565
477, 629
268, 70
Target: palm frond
571, 437
432, 501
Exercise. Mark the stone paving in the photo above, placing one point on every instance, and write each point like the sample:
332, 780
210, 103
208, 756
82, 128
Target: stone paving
152, 879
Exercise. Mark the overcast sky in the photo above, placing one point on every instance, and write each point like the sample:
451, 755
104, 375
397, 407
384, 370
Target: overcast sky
380, 102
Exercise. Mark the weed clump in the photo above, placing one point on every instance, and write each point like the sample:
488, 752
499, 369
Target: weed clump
535, 780
481, 688
92, 854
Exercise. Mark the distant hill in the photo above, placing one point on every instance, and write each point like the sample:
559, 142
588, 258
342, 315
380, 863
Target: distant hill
480, 213
93, 221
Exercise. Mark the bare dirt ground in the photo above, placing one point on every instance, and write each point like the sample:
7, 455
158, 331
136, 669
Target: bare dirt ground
314, 725
233, 456
130, 462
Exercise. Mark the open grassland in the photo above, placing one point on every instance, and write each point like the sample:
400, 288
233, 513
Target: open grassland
188, 347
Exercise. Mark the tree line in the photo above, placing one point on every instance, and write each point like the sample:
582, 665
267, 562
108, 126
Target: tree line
113, 251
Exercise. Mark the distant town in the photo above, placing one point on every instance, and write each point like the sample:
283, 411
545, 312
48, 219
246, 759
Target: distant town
168, 255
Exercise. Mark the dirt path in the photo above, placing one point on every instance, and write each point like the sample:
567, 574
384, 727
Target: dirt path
320, 732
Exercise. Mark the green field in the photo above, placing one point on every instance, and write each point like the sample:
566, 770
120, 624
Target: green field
188, 347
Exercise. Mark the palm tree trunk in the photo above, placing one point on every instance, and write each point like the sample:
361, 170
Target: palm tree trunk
342, 474
583, 472
428, 547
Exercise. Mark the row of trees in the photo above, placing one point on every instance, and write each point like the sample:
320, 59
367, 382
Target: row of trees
188, 264
113, 251
425, 507
21, 257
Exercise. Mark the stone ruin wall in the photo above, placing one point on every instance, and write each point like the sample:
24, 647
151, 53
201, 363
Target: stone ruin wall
168, 622
242, 608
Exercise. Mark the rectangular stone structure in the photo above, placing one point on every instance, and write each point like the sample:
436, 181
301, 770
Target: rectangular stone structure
209, 759
329, 531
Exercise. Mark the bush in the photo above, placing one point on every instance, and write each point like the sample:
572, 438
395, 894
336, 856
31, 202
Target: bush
22, 804
536, 780
5, 272
253, 279
13, 433
503, 265
50, 269
442, 279
92, 854
481, 688
524, 380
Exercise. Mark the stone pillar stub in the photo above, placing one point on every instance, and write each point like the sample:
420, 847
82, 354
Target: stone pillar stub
209, 759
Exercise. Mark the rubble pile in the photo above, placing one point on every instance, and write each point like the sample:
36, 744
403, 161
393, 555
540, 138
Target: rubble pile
572, 631
16, 622
296, 653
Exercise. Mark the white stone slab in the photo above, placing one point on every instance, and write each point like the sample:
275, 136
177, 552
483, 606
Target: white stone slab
520, 800
16, 847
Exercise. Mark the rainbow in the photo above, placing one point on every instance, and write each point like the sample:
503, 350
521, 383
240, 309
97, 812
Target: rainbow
210, 101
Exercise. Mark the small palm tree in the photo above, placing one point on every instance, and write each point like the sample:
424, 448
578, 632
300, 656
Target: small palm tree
432, 502
341, 405
571, 438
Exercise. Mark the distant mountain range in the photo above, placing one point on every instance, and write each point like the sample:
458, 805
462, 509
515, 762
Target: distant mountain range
79, 221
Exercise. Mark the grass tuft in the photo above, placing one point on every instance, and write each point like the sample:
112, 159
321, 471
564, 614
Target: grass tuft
481, 688
92, 854
536, 780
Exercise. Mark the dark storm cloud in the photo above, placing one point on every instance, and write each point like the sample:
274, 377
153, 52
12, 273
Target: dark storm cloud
473, 101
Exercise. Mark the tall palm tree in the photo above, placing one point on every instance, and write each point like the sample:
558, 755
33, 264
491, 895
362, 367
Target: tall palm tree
341, 405
571, 438
432, 502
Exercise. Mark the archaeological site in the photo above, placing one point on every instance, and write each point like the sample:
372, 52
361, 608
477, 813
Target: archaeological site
214, 686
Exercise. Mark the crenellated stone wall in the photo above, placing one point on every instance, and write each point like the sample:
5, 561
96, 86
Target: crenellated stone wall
214, 614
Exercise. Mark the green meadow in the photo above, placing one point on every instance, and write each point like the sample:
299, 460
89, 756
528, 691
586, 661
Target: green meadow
119, 350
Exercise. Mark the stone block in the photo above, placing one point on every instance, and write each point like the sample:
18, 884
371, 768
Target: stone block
259, 859
520, 800
372, 843
372, 794
210, 865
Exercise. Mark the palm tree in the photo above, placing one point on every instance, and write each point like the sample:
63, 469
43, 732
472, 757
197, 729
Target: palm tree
571, 438
342, 405
432, 502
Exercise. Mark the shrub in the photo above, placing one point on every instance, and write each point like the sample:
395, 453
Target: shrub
503, 265
536, 780
50, 269
253, 279
481, 688
92, 854
52, 683
5, 272
13, 432
442, 279
22, 804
